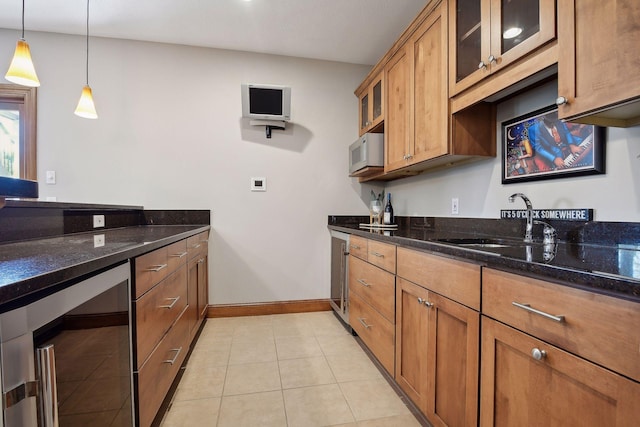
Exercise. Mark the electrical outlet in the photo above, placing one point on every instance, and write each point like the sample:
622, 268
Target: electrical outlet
455, 206
98, 221
98, 240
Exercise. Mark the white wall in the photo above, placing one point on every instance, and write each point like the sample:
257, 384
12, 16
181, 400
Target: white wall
615, 196
170, 136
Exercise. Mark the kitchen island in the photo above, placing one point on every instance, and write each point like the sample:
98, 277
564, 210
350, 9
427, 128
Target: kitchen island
137, 277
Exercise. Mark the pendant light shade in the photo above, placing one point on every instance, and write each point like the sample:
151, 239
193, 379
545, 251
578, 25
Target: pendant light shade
86, 107
21, 71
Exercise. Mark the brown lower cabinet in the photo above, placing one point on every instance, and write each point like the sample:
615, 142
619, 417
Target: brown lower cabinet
158, 372
527, 382
437, 354
198, 281
169, 303
479, 346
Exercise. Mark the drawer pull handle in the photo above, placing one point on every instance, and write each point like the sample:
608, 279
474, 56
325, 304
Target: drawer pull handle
377, 254
355, 247
172, 361
363, 283
538, 354
528, 308
364, 323
157, 268
170, 306
195, 246
180, 255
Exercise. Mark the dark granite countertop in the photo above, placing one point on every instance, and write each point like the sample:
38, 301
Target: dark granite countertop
595, 262
31, 267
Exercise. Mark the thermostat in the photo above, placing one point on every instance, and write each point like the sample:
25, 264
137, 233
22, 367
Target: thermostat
258, 183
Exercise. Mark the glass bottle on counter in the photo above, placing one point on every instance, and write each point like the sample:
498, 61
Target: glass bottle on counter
388, 212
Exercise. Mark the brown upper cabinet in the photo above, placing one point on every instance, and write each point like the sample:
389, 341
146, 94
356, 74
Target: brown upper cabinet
371, 102
417, 100
420, 131
487, 35
599, 53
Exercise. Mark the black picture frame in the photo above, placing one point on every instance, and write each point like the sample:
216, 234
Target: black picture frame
538, 146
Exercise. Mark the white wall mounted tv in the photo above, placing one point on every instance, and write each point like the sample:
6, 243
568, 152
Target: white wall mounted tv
266, 102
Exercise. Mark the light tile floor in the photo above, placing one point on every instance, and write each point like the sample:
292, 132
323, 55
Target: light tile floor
283, 370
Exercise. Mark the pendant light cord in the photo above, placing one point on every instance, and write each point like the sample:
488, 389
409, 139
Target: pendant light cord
87, 42
22, 19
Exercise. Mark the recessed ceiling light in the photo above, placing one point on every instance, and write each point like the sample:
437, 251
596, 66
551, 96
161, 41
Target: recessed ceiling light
512, 32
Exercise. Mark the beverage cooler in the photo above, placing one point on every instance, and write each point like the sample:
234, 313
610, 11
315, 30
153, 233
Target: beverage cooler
66, 358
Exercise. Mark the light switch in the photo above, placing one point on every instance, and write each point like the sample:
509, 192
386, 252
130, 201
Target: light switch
258, 183
51, 177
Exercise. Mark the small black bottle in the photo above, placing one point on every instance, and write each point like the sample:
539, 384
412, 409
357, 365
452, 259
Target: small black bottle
388, 212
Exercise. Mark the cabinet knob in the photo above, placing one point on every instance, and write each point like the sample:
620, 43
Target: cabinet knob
428, 304
409, 157
420, 300
561, 100
492, 59
538, 354
482, 65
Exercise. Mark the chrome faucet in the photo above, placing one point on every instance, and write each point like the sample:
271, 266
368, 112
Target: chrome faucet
528, 236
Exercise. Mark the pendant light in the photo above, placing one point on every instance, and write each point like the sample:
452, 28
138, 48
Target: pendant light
21, 70
86, 108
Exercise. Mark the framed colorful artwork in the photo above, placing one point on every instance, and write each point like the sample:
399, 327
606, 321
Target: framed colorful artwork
539, 146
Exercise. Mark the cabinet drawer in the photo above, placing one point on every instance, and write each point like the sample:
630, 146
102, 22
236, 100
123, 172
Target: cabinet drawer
195, 244
374, 330
157, 310
374, 285
599, 328
155, 377
358, 246
457, 280
383, 255
176, 255
150, 268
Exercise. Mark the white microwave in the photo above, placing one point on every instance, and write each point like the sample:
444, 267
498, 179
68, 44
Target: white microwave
366, 151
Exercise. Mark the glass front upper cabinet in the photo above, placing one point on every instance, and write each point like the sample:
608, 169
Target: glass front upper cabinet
371, 106
488, 35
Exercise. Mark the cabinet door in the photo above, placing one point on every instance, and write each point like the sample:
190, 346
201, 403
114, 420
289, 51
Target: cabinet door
364, 112
519, 27
203, 286
599, 56
412, 322
191, 313
452, 361
398, 123
469, 32
377, 100
430, 112
559, 389
488, 35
